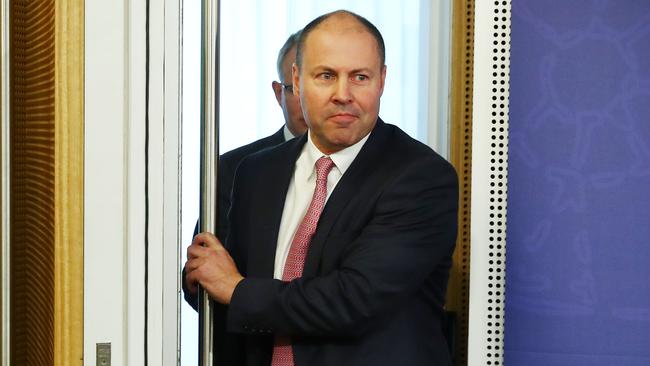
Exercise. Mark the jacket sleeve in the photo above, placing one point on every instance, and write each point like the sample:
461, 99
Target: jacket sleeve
411, 234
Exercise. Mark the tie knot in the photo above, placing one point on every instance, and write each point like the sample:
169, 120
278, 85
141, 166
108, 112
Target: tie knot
323, 167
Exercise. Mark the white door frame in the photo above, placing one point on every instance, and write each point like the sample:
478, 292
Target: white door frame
132, 180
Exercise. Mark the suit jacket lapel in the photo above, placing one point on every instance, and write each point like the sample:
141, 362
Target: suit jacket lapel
278, 137
361, 167
277, 173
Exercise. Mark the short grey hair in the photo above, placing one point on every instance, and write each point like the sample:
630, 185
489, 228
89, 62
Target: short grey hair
291, 42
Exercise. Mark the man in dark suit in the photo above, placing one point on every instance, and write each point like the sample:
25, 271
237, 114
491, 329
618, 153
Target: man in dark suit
294, 126
341, 240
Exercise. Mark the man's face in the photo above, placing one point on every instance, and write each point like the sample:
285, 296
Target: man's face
289, 102
340, 83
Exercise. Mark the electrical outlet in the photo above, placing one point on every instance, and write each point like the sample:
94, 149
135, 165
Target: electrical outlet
103, 354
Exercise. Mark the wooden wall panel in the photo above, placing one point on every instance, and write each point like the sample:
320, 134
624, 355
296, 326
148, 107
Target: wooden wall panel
461, 158
2, 179
32, 182
68, 179
46, 182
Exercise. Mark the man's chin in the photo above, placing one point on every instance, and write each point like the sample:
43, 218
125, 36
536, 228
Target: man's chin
342, 142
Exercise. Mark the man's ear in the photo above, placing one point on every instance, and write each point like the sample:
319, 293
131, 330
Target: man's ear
277, 89
295, 75
383, 79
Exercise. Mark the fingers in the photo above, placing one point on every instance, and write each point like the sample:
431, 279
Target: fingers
205, 248
193, 274
210, 265
200, 243
196, 251
191, 283
207, 240
193, 264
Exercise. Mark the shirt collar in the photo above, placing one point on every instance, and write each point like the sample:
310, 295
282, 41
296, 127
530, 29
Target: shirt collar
342, 159
287, 133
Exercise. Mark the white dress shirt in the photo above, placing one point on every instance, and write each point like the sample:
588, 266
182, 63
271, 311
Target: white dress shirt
287, 133
301, 190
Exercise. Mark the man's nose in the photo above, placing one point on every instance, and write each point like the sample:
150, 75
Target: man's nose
342, 92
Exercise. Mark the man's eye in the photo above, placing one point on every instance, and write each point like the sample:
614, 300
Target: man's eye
359, 77
326, 76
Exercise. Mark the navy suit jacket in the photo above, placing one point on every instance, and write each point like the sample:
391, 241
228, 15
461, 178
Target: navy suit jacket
228, 163
375, 277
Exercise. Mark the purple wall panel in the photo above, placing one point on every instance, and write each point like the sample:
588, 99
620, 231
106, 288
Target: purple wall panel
578, 241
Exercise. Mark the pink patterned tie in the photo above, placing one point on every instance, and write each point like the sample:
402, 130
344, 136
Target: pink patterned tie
282, 350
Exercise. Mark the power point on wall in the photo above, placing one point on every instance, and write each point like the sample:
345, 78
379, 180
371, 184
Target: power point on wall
103, 354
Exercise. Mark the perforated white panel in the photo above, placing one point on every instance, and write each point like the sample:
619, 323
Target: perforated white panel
489, 181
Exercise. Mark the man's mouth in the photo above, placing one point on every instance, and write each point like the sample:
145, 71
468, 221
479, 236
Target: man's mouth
343, 118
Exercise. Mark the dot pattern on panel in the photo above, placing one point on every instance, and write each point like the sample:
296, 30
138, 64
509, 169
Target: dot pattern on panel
498, 180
